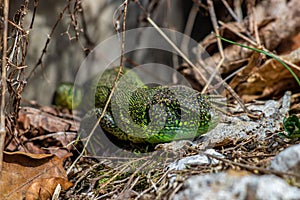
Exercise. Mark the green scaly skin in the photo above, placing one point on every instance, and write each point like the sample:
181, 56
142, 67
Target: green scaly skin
152, 115
146, 116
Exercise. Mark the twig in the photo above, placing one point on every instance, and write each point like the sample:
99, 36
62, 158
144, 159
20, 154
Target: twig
86, 36
175, 190
18, 27
220, 47
123, 36
134, 183
237, 33
35, 4
86, 172
109, 194
176, 48
266, 52
175, 62
116, 18
111, 93
238, 9
3, 83
229, 89
232, 13
233, 74
40, 61
253, 168
290, 63
152, 186
255, 27
129, 182
237, 15
124, 168
203, 79
189, 27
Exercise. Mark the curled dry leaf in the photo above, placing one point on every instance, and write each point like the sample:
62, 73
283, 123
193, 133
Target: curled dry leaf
45, 130
269, 80
33, 176
44, 188
32, 118
277, 22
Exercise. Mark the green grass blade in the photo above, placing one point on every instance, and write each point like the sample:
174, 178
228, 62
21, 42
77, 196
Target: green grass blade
266, 53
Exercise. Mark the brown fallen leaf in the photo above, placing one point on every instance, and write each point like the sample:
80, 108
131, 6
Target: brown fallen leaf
268, 80
277, 22
33, 176
44, 130
44, 188
289, 45
32, 118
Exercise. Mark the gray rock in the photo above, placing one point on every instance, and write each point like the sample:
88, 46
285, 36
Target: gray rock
223, 186
288, 160
196, 160
241, 127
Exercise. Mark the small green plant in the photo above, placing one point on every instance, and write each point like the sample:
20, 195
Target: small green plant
291, 126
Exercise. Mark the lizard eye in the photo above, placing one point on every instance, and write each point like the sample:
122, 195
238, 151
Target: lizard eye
214, 118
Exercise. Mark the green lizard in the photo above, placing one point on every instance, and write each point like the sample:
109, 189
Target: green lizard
148, 115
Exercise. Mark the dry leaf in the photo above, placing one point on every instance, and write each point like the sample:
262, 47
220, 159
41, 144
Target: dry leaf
32, 118
33, 176
269, 80
277, 21
45, 130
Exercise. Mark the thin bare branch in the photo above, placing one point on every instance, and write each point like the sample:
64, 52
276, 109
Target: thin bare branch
40, 61
125, 4
3, 83
229, 89
35, 4
189, 27
232, 13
